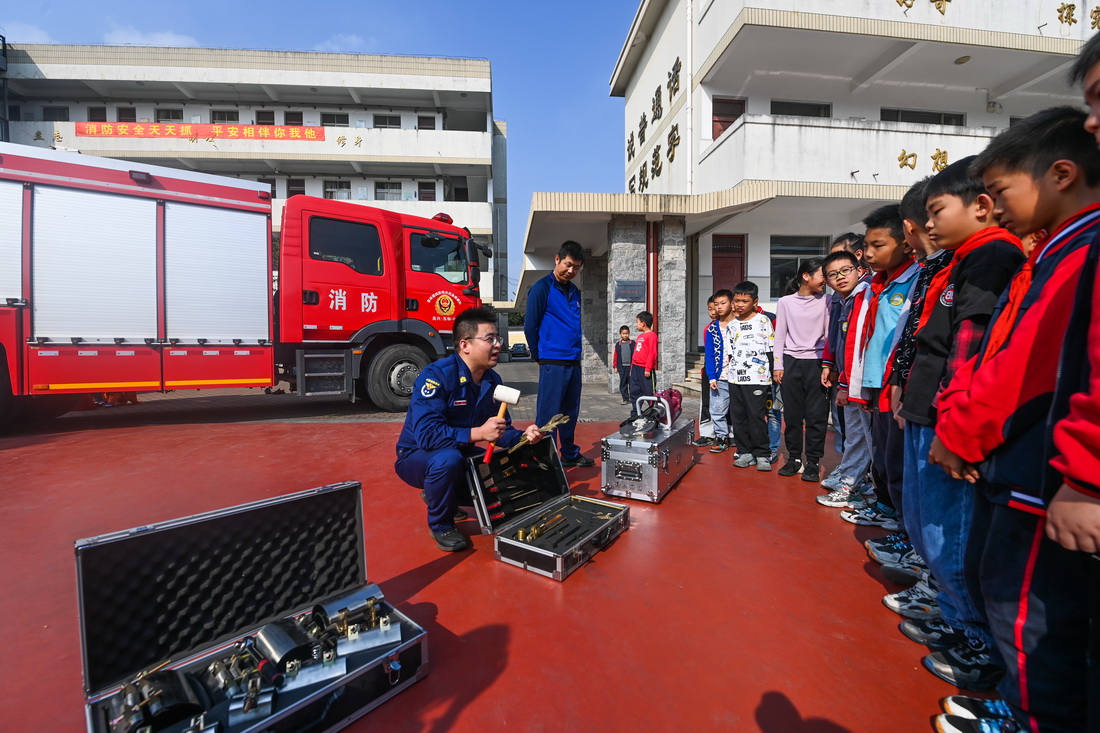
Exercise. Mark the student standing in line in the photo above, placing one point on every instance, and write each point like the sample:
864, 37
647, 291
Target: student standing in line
708, 348
801, 324
643, 367
750, 339
718, 366
621, 360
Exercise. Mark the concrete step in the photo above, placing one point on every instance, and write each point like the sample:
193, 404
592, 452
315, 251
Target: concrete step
688, 389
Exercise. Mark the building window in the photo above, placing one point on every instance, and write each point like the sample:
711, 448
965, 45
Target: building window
97, 114
387, 190
15, 113
55, 114
787, 255
387, 122
802, 109
348, 242
425, 122
339, 190
126, 114
224, 115
169, 115
295, 187
425, 190
331, 119
265, 117
270, 182
724, 113
923, 117
292, 118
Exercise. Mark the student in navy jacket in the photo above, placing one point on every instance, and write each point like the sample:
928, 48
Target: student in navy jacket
452, 409
553, 330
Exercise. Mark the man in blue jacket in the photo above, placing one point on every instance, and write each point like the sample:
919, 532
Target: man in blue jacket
553, 330
452, 409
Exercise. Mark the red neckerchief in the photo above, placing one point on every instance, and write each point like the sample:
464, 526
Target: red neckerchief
879, 283
1021, 283
943, 277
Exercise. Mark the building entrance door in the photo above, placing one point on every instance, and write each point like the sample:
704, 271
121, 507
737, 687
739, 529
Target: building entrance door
728, 260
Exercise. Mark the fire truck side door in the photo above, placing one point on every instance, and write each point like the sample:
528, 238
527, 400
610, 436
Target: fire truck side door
344, 277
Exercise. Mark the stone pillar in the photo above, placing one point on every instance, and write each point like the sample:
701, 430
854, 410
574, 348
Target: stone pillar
626, 263
595, 357
672, 301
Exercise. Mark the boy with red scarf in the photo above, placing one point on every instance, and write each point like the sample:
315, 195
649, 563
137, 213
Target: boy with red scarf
952, 322
872, 337
994, 423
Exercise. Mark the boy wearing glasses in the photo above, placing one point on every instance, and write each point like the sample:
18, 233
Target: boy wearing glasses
452, 409
845, 276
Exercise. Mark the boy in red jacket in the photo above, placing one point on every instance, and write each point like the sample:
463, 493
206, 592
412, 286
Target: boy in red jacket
993, 421
644, 363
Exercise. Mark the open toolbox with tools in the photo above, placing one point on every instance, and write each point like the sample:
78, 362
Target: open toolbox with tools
257, 617
523, 499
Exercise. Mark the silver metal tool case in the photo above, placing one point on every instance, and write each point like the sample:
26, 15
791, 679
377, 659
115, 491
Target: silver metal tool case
646, 468
518, 492
257, 617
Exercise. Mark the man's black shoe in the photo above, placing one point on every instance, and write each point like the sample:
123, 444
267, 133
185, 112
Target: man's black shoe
812, 472
720, 445
582, 461
790, 468
450, 541
459, 513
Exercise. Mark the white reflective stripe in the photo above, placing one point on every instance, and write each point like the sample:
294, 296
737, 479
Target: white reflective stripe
241, 353
11, 240
124, 353
210, 353
94, 259
48, 353
336, 328
309, 327
87, 353
217, 284
177, 353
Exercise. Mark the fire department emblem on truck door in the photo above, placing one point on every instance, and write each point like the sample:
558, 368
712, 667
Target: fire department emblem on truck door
445, 305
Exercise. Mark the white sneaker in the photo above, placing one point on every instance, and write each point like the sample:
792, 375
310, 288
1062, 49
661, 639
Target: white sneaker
763, 464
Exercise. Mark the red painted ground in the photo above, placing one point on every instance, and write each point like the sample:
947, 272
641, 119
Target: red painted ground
736, 604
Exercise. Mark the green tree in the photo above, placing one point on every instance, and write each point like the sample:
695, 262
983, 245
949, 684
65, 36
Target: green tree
515, 319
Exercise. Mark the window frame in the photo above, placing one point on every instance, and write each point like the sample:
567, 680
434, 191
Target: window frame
375, 118
420, 122
335, 119
333, 186
719, 123
335, 257
55, 113
289, 121
825, 107
126, 114
97, 114
166, 116
899, 113
383, 190
235, 114
802, 247
295, 187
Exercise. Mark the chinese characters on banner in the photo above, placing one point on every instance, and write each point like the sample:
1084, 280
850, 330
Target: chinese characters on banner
195, 131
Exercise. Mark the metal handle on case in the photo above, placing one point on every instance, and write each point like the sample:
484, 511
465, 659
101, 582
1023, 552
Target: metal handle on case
667, 422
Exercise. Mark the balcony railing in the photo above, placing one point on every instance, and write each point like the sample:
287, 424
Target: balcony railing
766, 147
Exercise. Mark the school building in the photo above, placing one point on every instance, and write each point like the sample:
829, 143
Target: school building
754, 131
411, 134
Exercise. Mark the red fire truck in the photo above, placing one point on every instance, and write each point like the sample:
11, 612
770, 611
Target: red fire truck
117, 276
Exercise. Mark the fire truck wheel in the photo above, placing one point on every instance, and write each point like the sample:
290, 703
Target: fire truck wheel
391, 375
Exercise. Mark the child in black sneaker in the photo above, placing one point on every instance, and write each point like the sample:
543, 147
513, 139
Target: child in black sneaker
801, 322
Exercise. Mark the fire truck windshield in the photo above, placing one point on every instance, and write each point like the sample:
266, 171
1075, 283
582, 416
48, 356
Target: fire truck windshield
433, 252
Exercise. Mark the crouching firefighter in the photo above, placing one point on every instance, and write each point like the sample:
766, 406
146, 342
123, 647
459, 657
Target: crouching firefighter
452, 410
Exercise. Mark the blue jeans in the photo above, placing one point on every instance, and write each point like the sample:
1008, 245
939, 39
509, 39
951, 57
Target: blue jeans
855, 459
775, 421
938, 515
560, 392
719, 409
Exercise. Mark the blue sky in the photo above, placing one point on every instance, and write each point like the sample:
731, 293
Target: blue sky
551, 64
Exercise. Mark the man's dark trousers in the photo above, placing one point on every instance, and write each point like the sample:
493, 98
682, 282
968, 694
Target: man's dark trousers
441, 474
560, 392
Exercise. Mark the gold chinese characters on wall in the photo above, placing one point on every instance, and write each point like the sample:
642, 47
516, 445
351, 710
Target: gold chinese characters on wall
909, 160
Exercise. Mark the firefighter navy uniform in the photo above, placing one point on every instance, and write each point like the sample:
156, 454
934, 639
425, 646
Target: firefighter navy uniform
435, 441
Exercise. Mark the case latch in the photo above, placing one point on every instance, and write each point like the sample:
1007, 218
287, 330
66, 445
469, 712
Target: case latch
393, 669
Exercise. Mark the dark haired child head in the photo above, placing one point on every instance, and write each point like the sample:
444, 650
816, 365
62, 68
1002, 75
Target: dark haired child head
885, 247
841, 270
914, 218
1041, 171
849, 242
958, 206
723, 304
746, 295
644, 321
624, 333
808, 280
712, 313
